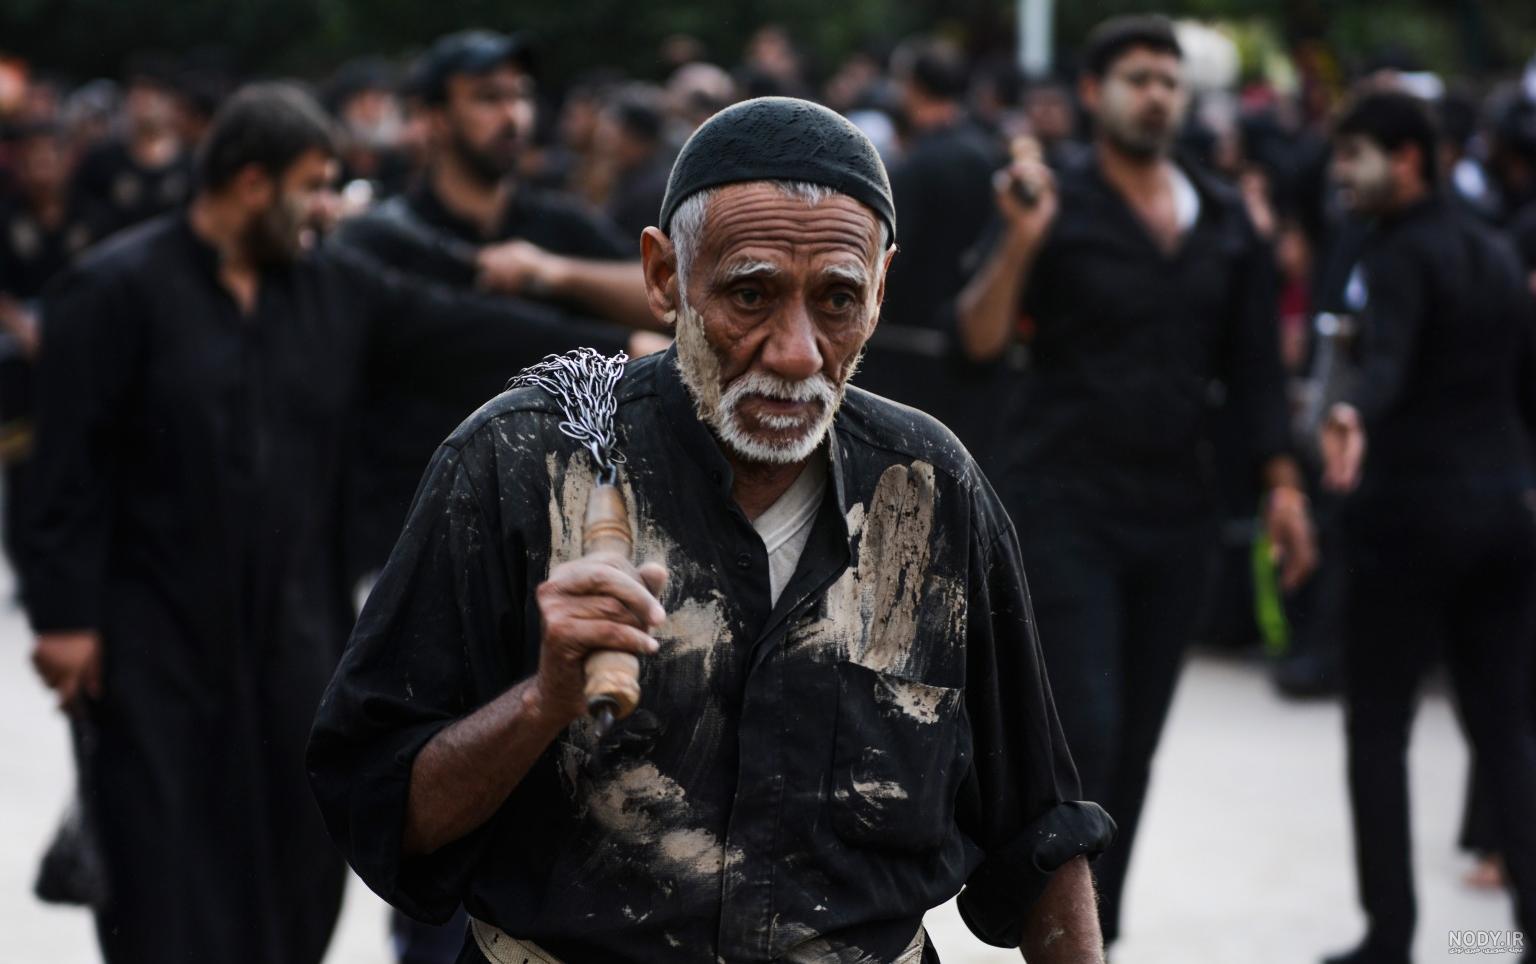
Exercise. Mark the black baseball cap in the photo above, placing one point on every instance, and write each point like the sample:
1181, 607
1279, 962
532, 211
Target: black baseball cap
466, 52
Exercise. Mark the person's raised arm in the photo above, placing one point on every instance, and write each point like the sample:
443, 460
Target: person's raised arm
989, 304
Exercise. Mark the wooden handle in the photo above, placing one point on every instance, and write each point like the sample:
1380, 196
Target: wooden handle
613, 678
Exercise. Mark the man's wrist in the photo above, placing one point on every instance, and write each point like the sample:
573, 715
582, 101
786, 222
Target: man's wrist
1021, 244
1344, 415
537, 713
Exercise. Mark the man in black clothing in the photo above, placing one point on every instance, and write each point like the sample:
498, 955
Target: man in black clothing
470, 224
943, 196
1439, 529
1152, 299
148, 170
847, 717
42, 230
513, 238
630, 134
197, 400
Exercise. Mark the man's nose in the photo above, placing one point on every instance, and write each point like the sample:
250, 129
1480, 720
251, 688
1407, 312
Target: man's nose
791, 351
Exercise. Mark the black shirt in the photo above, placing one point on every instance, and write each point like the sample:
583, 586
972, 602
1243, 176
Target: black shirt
32, 252
1446, 359
418, 235
634, 203
187, 504
110, 178
553, 220
808, 777
1135, 348
943, 193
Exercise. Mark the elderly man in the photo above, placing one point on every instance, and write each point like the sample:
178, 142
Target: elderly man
845, 718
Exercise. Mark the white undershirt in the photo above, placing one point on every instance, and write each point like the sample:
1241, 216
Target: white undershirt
785, 526
1186, 200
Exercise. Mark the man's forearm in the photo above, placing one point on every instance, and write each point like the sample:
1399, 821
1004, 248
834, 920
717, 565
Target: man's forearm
614, 290
1063, 925
988, 304
469, 768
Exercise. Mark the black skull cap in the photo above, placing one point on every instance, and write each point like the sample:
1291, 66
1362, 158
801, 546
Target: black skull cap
780, 139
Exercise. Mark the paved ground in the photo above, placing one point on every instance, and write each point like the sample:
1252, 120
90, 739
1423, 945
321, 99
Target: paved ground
1244, 857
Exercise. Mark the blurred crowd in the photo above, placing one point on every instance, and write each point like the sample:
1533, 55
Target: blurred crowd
470, 168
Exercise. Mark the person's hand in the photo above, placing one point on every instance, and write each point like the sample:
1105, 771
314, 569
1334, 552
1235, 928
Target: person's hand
517, 268
1026, 193
1289, 526
20, 323
70, 663
590, 604
1342, 439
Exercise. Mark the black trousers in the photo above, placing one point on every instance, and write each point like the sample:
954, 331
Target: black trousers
1439, 571
1116, 601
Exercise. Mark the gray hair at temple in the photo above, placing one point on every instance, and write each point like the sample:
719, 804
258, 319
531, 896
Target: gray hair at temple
687, 225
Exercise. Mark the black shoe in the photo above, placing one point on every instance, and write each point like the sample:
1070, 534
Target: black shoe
1368, 953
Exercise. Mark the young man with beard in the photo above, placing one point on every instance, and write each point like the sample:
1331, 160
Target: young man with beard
1432, 445
845, 717
197, 391
1152, 300
509, 237
471, 224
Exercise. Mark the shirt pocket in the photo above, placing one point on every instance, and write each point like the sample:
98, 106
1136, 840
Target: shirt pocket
898, 757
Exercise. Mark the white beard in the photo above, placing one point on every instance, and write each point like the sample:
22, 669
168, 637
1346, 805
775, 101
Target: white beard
794, 438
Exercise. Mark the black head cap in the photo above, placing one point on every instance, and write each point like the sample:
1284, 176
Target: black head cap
470, 52
780, 139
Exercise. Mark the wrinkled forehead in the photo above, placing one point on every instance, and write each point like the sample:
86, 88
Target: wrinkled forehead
759, 219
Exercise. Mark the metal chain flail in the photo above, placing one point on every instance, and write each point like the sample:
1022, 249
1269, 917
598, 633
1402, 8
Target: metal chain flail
582, 382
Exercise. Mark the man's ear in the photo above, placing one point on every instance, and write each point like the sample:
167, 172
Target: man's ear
1088, 92
658, 262
1407, 164
885, 272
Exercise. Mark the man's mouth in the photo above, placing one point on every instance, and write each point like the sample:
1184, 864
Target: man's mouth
779, 414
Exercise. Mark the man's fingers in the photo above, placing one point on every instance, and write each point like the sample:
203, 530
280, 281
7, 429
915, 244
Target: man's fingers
654, 576
588, 635
587, 578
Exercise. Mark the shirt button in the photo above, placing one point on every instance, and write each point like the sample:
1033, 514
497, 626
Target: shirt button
743, 561
715, 477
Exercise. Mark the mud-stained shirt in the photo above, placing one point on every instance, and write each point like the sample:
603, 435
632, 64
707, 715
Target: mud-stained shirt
803, 779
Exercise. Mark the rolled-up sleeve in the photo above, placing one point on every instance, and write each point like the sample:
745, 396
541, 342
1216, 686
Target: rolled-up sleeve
1019, 803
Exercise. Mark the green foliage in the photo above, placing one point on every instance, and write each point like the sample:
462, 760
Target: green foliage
309, 37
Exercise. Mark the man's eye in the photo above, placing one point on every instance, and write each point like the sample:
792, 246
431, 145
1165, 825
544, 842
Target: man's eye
748, 297
841, 300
